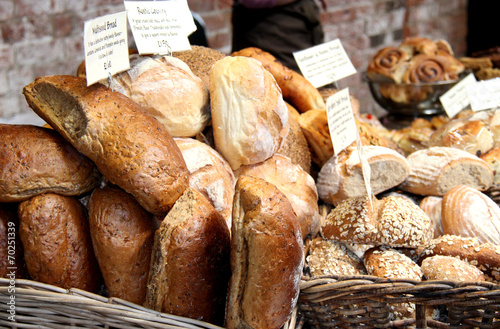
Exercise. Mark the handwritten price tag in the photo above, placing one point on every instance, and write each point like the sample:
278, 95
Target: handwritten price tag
106, 46
160, 27
325, 63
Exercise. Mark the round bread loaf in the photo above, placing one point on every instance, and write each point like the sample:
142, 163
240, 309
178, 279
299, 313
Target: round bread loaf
431, 205
435, 170
386, 262
327, 257
439, 267
341, 177
295, 146
249, 116
190, 264
470, 213
38, 160
129, 146
297, 185
266, 257
492, 158
54, 232
210, 174
122, 236
166, 88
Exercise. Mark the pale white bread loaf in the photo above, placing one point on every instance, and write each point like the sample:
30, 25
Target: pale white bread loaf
450, 268
328, 257
470, 213
267, 257
436, 170
298, 186
392, 221
168, 89
249, 115
210, 174
341, 177
485, 256
431, 205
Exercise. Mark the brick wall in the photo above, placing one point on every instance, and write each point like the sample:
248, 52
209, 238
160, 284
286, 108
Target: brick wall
45, 37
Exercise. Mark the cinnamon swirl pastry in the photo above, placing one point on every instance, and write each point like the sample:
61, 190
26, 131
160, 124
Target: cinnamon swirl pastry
388, 64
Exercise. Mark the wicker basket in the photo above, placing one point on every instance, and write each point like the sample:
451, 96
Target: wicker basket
39, 305
366, 302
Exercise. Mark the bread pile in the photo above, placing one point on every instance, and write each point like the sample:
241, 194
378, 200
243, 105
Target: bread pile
218, 219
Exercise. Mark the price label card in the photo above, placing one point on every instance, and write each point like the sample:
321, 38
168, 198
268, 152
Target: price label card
485, 94
106, 46
341, 123
325, 63
456, 99
160, 27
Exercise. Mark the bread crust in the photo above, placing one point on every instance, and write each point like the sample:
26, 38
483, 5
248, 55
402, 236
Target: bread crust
130, 147
122, 235
38, 160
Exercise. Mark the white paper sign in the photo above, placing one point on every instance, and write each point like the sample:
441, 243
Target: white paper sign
485, 94
106, 46
457, 98
160, 27
325, 63
341, 123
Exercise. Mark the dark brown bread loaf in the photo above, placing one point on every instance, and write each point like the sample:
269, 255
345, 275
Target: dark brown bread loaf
122, 235
189, 270
38, 160
130, 147
266, 257
55, 235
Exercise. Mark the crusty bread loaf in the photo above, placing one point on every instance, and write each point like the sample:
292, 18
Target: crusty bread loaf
297, 185
295, 87
470, 213
210, 174
431, 205
314, 125
392, 221
249, 115
485, 256
492, 158
439, 267
266, 257
295, 146
38, 160
341, 177
435, 170
328, 257
54, 232
11, 250
166, 88
129, 146
122, 236
386, 262
190, 270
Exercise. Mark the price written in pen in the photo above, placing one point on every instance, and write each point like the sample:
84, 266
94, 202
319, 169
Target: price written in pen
162, 43
107, 65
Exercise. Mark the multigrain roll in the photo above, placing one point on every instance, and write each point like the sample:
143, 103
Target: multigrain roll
38, 160
190, 261
386, 262
450, 268
130, 147
122, 235
249, 115
266, 257
54, 232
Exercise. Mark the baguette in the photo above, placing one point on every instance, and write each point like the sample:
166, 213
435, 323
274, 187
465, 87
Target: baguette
130, 147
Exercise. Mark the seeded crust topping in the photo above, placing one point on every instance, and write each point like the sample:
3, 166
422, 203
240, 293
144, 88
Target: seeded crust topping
450, 268
327, 257
386, 262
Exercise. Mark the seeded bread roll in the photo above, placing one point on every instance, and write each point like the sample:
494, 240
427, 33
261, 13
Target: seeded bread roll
54, 232
249, 115
386, 262
341, 177
122, 236
392, 221
130, 147
470, 213
450, 268
435, 170
190, 261
297, 185
327, 257
266, 257
38, 160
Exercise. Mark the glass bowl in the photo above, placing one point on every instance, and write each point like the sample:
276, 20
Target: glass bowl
410, 99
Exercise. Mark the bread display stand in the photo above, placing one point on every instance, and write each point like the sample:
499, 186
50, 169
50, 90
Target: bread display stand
39, 305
